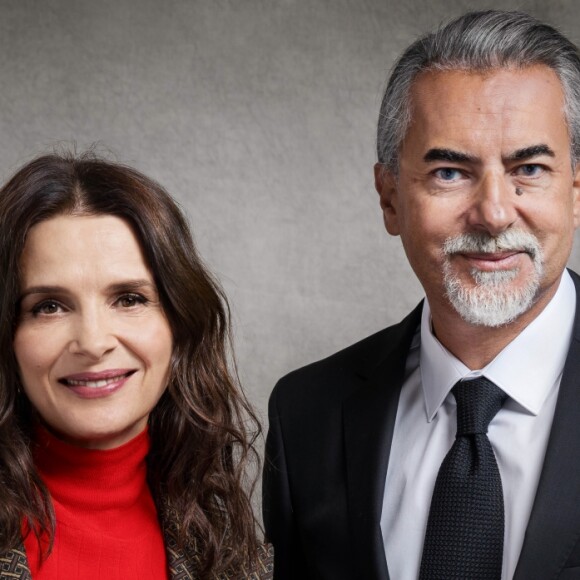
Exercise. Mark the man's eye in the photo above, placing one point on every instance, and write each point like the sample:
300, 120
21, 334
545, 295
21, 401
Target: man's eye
47, 307
130, 300
530, 170
447, 174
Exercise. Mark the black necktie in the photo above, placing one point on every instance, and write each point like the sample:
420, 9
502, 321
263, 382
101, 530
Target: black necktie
464, 538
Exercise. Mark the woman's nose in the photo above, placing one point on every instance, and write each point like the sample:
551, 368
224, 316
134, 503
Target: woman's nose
92, 336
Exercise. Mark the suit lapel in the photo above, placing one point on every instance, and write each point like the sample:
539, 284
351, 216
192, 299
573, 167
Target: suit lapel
369, 419
554, 523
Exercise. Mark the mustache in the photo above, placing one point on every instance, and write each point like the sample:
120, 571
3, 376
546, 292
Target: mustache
484, 243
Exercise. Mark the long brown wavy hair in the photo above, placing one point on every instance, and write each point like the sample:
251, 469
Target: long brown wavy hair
203, 428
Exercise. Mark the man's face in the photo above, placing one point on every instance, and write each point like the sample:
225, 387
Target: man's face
478, 248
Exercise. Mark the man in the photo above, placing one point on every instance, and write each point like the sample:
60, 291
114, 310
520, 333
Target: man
448, 446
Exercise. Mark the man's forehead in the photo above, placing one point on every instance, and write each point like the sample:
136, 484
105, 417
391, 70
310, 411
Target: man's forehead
507, 109
450, 84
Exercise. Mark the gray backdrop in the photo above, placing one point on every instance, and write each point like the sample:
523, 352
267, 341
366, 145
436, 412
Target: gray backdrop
259, 117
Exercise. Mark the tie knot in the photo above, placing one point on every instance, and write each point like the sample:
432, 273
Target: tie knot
478, 401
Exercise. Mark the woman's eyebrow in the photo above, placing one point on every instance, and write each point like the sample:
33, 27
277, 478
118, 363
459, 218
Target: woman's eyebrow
121, 286
42, 290
129, 285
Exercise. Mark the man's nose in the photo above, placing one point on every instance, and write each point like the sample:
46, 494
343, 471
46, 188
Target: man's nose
92, 335
494, 205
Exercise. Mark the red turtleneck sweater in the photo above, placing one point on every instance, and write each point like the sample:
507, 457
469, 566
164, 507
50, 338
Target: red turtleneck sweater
106, 521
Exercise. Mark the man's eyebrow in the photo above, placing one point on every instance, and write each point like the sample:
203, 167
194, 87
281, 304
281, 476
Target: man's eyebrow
448, 155
532, 151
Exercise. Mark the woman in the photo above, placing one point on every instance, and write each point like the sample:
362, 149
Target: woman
124, 436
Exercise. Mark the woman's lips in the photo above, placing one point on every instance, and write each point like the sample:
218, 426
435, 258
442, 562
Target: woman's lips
92, 385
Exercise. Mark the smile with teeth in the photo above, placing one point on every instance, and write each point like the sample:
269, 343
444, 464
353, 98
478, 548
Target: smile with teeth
97, 382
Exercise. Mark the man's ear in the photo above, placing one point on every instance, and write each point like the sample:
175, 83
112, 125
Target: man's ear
386, 186
576, 195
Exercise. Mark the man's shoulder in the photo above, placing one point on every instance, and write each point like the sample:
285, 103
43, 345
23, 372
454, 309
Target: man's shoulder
575, 278
340, 373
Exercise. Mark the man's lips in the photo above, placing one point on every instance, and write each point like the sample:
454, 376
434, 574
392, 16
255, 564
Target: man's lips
96, 380
494, 260
494, 257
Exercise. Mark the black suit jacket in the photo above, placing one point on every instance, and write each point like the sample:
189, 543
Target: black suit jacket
327, 453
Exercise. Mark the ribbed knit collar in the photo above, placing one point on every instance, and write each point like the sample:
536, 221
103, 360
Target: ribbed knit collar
92, 479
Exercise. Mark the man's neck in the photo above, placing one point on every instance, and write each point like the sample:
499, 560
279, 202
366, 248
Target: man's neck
475, 345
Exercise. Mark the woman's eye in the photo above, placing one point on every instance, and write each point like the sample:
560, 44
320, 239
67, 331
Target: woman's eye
47, 307
131, 300
447, 174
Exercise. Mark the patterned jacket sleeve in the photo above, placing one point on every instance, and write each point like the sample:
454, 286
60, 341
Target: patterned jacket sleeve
14, 565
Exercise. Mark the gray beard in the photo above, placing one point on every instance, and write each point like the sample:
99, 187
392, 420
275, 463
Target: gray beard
493, 301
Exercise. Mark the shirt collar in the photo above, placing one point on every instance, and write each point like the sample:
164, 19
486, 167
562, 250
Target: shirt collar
545, 339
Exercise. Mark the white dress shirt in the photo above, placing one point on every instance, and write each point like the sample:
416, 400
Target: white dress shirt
528, 370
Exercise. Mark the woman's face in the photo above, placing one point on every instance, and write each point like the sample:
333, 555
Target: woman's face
92, 343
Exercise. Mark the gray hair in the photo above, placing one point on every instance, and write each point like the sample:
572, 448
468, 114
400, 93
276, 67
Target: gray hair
479, 41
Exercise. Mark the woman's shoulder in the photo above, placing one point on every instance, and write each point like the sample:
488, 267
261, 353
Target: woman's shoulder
263, 568
183, 562
14, 565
